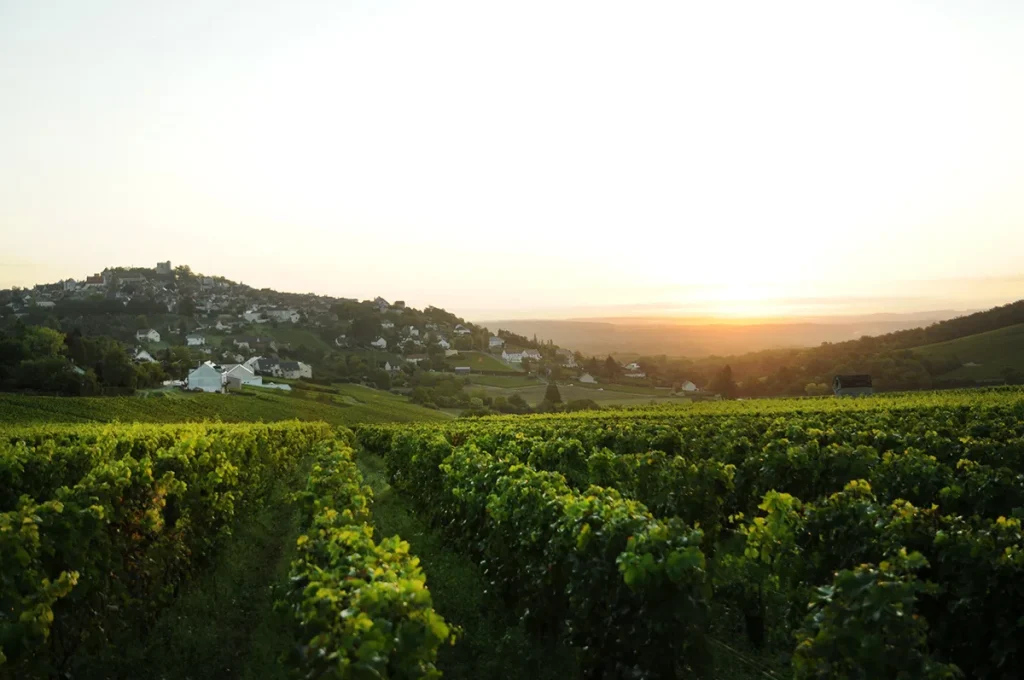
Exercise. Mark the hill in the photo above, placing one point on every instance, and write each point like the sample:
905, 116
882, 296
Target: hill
983, 356
337, 405
637, 337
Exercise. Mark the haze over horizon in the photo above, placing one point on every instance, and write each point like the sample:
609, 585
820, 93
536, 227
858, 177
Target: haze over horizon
541, 160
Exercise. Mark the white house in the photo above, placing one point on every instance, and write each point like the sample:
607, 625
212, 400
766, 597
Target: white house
253, 364
253, 315
587, 378
415, 358
46, 304
242, 375
283, 315
387, 324
205, 378
144, 356
687, 386
461, 330
633, 367
451, 353
381, 304
147, 335
495, 342
531, 354
392, 367
443, 344
414, 332
195, 340
567, 358
295, 370
380, 343
512, 356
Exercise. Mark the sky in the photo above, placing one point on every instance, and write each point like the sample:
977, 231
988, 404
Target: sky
527, 159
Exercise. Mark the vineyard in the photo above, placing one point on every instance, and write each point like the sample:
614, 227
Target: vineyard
100, 527
811, 538
874, 538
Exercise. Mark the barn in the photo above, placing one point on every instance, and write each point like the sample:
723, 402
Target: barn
857, 385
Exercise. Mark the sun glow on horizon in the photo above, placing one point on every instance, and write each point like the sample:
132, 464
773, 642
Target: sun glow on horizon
756, 160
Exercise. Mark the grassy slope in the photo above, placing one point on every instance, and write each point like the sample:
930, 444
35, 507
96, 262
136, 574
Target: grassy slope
994, 350
478, 361
504, 380
294, 336
350, 404
609, 395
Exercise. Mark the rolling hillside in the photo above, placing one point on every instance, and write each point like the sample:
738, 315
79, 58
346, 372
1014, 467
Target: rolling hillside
984, 355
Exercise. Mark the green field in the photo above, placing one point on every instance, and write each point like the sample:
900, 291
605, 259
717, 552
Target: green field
293, 336
605, 395
992, 351
631, 389
504, 380
478, 361
344, 405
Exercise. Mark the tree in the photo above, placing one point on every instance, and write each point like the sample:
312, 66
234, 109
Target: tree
552, 395
365, 329
116, 369
41, 342
611, 367
518, 402
724, 383
186, 306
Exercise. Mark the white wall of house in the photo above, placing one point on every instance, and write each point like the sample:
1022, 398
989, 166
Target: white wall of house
380, 343
195, 340
244, 374
205, 378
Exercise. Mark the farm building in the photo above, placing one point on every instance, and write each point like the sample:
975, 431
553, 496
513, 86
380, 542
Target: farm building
206, 378
852, 385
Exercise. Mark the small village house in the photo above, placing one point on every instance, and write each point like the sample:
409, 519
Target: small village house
195, 340
147, 335
494, 342
142, 356
380, 343
512, 356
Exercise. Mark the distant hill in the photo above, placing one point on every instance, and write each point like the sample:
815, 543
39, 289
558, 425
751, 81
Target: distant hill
983, 355
918, 358
695, 340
